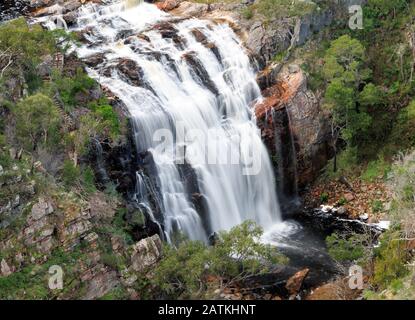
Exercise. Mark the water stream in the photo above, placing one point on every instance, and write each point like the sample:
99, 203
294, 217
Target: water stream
191, 90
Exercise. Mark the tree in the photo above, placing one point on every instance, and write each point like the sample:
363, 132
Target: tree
22, 46
237, 254
344, 71
37, 119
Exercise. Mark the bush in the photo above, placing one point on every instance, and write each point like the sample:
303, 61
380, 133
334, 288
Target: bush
248, 12
238, 254
324, 197
37, 122
390, 259
88, 180
353, 248
376, 169
110, 118
24, 45
70, 174
69, 88
279, 8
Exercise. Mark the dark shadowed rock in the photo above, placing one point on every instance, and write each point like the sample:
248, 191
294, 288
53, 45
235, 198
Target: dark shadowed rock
199, 72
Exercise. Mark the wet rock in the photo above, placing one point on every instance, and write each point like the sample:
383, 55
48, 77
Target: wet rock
132, 71
95, 60
146, 253
199, 72
296, 281
122, 34
268, 77
305, 134
200, 37
342, 211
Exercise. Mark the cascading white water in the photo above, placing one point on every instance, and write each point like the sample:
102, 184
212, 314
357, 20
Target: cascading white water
184, 83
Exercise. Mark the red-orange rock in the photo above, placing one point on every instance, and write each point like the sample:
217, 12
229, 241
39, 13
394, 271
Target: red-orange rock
296, 281
167, 5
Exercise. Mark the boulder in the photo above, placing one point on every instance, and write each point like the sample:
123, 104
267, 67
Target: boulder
5, 270
146, 253
294, 283
191, 9
41, 209
167, 5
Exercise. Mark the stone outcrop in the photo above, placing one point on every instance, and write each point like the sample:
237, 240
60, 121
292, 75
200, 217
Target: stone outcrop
295, 283
303, 129
146, 253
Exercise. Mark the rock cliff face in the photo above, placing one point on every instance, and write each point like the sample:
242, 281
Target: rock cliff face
38, 229
293, 128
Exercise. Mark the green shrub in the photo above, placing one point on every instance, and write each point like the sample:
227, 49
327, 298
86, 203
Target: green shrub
248, 12
110, 118
342, 201
88, 180
26, 45
69, 88
119, 293
376, 169
377, 206
390, 259
353, 248
238, 253
272, 9
324, 197
37, 122
70, 174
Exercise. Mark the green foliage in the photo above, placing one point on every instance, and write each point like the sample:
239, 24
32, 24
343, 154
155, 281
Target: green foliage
272, 9
70, 88
377, 206
376, 169
119, 293
381, 8
32, 281
402, 136
348, 249
88, 180
112, 260
24, 45
70, 174
237, 254
324, 197
248, 12
390, 259
347, 164
371, 95
110, 118
344, 71
37, 122
342, 201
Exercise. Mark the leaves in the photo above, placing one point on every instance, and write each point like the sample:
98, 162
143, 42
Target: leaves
237, 254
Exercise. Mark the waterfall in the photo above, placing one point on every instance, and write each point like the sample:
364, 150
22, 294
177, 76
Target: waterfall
185, 78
